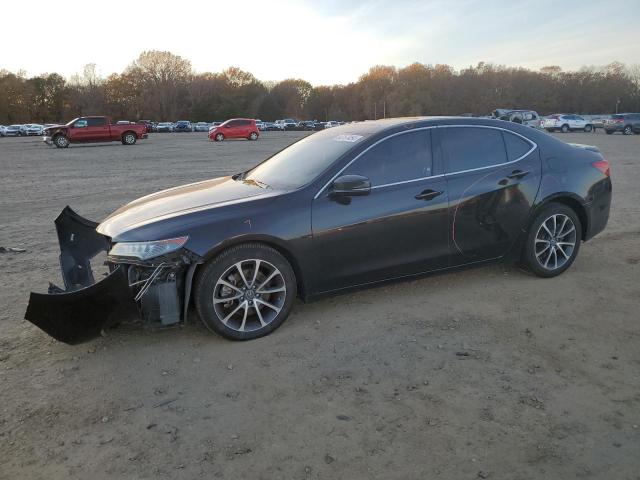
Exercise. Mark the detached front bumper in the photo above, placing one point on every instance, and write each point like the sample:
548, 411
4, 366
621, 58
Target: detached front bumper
157, 292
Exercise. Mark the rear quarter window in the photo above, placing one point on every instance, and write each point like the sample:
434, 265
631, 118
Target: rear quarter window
516, 146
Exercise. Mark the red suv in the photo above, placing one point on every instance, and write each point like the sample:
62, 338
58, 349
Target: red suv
235, 128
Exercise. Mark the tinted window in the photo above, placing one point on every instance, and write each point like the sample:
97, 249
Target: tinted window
234, 123
302, 162
516, 146
96, 122
403, 157
473, 147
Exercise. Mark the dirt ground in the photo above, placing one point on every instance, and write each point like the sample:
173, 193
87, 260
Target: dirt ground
485, 373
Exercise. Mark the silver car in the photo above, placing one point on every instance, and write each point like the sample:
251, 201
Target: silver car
32, 129
13, 131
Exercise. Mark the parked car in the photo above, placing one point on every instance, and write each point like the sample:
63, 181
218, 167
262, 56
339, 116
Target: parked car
164, 127
288, 124
2, 129
625, 123
331, 124
529, 118
598, 120
273, 127
566, 123
13, 131
301, 223
235, 128
32, 129
183, 126
124, 122
260, 125
148, 124
93, 129
201, 127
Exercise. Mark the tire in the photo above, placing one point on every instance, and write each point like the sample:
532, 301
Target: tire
588, 128
219, 137
543, 237
60, 141
564, 128
257, 304
253, 136
609, 132
628, 130
129, 138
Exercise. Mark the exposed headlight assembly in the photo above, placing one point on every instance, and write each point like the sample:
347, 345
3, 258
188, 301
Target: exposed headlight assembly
147, 250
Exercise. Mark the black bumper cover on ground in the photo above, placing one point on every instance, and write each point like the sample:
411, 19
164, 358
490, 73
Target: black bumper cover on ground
81, 311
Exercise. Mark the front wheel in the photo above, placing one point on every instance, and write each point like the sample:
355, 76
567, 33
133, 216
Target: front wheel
588, 128
246, 292
553, 241
565, 128
129, 138
61, 141
219, 137
253, 136
628, 130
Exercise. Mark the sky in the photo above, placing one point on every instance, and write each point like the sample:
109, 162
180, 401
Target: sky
323, 41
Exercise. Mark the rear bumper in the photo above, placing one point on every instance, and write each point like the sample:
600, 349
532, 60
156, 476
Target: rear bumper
598, 210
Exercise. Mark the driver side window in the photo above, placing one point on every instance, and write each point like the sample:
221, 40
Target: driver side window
80, 124
397, 159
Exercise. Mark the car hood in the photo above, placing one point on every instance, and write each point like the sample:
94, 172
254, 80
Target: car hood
182, 200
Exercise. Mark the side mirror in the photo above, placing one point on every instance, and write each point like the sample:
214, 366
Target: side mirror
350, 186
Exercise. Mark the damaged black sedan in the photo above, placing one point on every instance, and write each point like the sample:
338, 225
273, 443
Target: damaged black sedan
340, 209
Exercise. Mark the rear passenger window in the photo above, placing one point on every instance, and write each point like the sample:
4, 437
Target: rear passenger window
397, 159
96, 122
473, 147
516, 146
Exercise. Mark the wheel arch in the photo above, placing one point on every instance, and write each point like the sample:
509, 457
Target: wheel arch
572, 201
277, 244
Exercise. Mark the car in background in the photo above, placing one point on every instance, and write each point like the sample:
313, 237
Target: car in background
331, 124
625, 123
148, 124
93, 129
288, 124
260, 125
125, 122
565, 123
201, 127
32, 129
13, 131
2, 129
164, 127
306, 125
235, 128
597, 120
530, 118
183, 126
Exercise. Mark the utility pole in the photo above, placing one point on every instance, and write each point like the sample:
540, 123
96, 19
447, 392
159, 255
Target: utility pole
384, 109
617, 103
375, 110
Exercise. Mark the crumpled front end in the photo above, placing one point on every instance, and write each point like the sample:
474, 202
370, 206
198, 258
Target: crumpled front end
156, 290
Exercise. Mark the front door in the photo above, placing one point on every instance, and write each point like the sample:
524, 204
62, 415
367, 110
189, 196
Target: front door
399, 228
493, 177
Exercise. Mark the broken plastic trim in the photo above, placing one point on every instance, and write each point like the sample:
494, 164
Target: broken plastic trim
84, 308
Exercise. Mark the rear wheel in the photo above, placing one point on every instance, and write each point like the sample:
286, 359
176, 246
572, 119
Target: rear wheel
61, 141
253, 136
565, 128
627, 130
246, 292
219, 137
588, 128
128, 138
553, 241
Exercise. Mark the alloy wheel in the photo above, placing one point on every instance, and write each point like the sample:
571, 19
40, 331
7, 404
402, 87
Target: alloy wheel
555, 241
129, 139
249, 295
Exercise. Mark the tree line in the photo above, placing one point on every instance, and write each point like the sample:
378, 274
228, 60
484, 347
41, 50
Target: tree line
161, 86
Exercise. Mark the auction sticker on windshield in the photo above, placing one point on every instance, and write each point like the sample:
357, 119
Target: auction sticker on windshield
348, 138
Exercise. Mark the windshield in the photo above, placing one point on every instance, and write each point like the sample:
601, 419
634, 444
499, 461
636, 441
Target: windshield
71, 122
302, 162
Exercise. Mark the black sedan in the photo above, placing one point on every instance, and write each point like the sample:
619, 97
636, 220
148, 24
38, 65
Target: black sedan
343, 208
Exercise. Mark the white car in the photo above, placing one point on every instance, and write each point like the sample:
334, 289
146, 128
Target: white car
30, 129
331, 123
566, 123
260, 125
2, 129
13, 131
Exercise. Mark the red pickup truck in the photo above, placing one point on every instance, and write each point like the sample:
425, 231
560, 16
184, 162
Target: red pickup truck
93, 129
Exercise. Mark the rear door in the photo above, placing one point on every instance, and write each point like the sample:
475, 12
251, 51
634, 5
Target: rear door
492, 177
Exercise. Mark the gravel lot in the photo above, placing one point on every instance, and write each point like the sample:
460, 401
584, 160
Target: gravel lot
485, 373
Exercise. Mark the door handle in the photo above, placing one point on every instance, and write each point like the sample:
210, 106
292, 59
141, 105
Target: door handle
428, 194
518, 174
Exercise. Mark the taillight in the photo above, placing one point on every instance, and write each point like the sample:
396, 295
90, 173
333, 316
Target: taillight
603, 166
